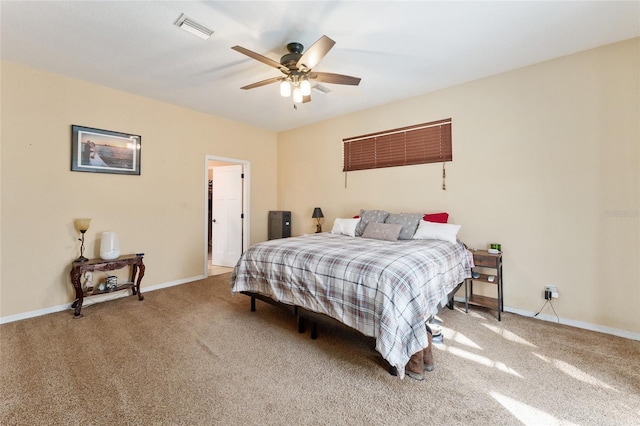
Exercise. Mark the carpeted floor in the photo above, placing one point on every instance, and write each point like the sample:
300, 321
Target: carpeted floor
195, 355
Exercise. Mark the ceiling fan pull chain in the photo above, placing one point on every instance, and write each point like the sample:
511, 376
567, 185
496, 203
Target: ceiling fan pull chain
444, 176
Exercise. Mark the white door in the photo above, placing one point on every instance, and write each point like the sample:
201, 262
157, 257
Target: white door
227, 215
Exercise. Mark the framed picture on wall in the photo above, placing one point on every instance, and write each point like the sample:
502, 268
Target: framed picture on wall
104, 151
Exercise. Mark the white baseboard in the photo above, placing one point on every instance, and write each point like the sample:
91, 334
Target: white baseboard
91, 301
578, 324
36, 313
543, 317
174, 283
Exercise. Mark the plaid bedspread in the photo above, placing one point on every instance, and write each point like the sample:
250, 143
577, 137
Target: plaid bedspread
383, 289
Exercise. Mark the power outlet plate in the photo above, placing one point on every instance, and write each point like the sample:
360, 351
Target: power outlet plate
550, 292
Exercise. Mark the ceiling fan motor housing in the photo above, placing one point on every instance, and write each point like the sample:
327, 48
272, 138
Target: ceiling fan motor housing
291, 59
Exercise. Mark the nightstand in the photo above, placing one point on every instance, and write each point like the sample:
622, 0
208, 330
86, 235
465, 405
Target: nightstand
488, 269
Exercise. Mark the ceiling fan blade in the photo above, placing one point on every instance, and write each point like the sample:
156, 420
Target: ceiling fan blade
262, 83
306, 99
327, 77
259, 57
315, 53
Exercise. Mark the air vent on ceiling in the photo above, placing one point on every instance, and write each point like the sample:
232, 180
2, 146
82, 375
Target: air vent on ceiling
320, 90
193, 27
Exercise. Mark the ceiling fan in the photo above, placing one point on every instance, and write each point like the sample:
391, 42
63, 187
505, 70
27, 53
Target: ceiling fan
297, 69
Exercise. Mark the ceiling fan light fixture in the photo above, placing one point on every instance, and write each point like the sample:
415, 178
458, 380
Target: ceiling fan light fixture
193, 27
305, 87
285, 89
297, 95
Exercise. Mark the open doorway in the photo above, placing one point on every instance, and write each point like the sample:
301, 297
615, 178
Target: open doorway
226, 213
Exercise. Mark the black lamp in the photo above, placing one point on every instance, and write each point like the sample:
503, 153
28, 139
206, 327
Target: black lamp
82, 225
317, 215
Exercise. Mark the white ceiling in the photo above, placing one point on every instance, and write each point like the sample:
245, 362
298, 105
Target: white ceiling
399, 49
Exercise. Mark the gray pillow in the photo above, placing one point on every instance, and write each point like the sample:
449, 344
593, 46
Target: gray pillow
367, 216
409, 222
382, 231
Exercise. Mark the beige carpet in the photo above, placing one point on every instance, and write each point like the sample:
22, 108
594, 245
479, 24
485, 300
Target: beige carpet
195, 355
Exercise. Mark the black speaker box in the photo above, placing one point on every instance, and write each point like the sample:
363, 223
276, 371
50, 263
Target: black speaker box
279, 224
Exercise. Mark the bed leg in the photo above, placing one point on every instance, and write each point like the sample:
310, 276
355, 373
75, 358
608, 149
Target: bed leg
301, 326
452, 295
393, 371
253, 304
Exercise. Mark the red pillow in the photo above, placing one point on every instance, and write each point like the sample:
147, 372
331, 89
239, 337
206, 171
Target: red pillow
436, 217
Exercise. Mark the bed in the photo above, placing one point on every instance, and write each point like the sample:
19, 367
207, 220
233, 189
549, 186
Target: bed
384, 289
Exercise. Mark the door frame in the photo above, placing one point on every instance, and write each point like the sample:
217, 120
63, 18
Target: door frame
246, 166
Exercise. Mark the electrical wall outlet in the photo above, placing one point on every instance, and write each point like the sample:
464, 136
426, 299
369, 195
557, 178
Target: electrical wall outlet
550, 292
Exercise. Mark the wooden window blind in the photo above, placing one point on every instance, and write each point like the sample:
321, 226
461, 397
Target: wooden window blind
419, 144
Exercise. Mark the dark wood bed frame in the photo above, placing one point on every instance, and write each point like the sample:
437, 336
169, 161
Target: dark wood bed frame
303, 315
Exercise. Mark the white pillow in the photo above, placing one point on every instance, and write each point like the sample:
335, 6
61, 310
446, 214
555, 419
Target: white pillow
345, 227
437, 231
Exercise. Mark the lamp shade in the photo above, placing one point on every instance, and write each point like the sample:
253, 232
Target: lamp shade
109, 246
317, 213
82, 224
285, 89
305, 87
297, 95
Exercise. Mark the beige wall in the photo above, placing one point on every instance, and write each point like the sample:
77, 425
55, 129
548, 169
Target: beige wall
545, 162
160, 213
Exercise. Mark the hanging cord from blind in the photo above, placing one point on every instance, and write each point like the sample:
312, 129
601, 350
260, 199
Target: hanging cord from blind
444, 177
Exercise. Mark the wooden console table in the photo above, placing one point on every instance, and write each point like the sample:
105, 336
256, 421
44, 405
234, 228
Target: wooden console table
78, 268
